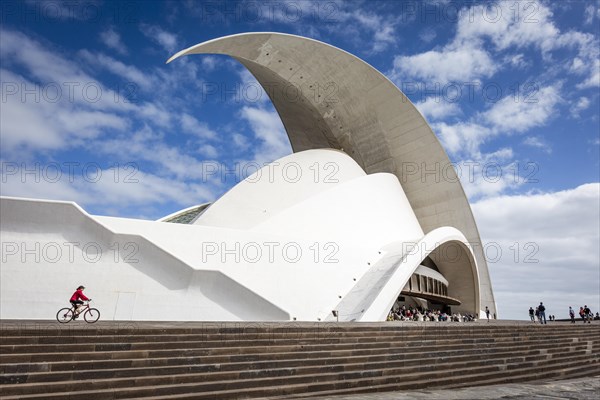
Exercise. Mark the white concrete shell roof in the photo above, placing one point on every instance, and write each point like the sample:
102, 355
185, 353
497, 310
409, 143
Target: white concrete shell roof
326, 97
273, 190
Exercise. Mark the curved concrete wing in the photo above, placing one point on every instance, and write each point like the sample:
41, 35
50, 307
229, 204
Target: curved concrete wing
327, 97
460, 269
374, 295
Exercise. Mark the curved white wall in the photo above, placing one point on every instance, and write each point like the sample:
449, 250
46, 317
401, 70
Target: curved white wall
280, 185
49, 248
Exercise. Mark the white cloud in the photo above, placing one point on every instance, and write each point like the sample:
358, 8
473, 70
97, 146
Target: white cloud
464, 63
240, 141
127, 186
194, 127
489, 175
427, 35
508, 25
519, 115
130, 73
463, 137
385, 35
147, 145
464, 140
434, 109
507, 116
156, 114
208, 151
548, 246
167, 40
588, 53
112, 40
41, 123
582, 104
467, 57
480, 48
589, 14
33, 180
371, 31
517, 61
148, 188
68, 108
383, 28
593, 80
40, 61
47, 69
272, 139
209, 63
538, 143
577, 66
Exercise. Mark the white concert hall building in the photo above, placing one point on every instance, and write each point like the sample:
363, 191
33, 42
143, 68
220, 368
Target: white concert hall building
353, 221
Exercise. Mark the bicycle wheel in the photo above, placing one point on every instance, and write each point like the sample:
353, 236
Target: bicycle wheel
64, 315
91, 315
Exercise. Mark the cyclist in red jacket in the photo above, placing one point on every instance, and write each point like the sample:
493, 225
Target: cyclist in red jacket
76, 299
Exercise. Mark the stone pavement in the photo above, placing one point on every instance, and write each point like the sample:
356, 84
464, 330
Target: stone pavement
576, 389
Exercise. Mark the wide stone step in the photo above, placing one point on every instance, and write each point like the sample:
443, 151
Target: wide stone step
191, 365
255, 354
305, 356
230, 360
149, 328
79, 343
406, 382
429, 333
248, 351
128, 346
21, 372
122, 346
527, 374
550, 353
305, 383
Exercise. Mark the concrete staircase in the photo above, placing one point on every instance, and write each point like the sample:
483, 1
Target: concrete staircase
282, 360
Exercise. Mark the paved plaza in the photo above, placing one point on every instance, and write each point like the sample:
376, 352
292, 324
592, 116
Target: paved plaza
576, 389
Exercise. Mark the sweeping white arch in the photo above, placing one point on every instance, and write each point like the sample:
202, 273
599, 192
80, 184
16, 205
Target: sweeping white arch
440, 241
326, 97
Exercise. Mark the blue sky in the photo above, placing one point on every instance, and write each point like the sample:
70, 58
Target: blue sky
91, 113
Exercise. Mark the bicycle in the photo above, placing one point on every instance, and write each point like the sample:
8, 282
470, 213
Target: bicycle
66, 315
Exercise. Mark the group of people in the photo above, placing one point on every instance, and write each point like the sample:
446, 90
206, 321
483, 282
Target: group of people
420, 314
585, 314
539, 314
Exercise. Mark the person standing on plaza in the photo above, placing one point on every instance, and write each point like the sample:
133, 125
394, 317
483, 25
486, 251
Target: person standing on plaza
588, 314
572, 315
542, 311
487, 313
532, 314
